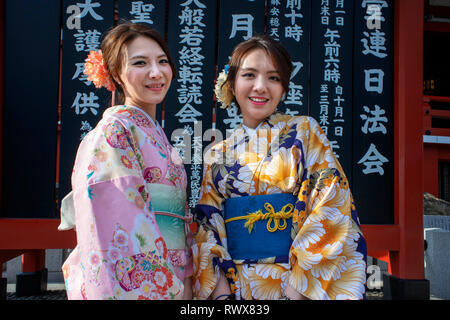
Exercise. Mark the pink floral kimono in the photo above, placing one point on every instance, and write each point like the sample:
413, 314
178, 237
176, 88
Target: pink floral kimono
129, 199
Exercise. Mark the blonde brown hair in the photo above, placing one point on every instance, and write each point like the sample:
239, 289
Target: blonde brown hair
114, 45
274, 49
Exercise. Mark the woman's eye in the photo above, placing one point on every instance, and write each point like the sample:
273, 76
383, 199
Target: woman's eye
248, 75
274, 78
139, 63
164, 61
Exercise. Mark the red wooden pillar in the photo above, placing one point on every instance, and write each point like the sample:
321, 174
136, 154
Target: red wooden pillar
33, 261
2, 79
407, 280
2, 49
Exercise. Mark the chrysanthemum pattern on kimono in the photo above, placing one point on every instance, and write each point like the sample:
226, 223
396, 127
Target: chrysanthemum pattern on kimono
121, 253
286, 155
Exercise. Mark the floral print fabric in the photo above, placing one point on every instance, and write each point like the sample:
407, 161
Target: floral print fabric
120, 252
284, 155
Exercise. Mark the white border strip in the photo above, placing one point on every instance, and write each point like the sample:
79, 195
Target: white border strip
436, 139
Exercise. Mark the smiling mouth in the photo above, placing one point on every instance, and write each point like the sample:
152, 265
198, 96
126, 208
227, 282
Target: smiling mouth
156, 86
258, 101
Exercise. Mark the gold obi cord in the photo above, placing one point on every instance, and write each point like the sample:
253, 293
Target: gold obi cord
274, 217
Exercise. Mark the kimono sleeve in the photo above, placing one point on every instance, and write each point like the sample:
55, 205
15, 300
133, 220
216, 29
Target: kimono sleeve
120, 250
210, 249
328, 253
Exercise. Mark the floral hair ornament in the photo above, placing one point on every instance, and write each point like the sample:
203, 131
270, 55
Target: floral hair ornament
96, 71
223, 90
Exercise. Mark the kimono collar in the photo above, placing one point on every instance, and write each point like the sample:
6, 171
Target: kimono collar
132, 112
270, 121
143, 112
250, 131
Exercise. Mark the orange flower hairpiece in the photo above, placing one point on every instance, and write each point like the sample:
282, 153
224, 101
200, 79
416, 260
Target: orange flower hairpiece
96, 71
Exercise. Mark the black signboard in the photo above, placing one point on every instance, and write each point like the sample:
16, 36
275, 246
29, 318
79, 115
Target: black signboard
331, 75
82, 105
189, 102
30, 108
373, 130
289, 22
342, 52
239, 20
150, 12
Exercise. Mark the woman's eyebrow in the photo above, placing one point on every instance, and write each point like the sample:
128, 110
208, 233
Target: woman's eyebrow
255, 70
145, 57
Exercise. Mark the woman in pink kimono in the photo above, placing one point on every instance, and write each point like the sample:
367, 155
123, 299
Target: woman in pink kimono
129, 184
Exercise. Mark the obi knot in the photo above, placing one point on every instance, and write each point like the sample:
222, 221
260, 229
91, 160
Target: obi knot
274, 218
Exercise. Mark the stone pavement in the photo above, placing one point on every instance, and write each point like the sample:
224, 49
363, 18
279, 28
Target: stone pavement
55, 293
61, 295
46, 295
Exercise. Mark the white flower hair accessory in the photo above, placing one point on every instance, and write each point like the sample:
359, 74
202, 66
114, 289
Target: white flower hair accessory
222, 89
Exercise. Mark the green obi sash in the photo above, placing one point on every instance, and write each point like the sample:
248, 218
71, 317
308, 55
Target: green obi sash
168, 203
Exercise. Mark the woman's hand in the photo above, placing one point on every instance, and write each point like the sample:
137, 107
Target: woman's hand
187, 295
293, 294
222, 288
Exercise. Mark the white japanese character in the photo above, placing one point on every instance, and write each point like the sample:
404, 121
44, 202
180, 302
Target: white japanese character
332, 75
334, 145
373, 161
188, 114
297, 67
381, 3
294, 4
80, 75
274, 11
295, 32
190, 74
196, 2
294, 95
180, 146
374, 17
274, 22
374, 80
340, 4
192, 36
375, 44
339, 131
323, 119
141, 12
293, 15
242, 22
88, 7
377, 117
338, 100
86, 103
191, 56
234, 119
85, 126
87, 41
332, 34
274, 34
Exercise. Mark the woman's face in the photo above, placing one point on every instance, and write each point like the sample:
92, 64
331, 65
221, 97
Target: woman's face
146, 73
257, 87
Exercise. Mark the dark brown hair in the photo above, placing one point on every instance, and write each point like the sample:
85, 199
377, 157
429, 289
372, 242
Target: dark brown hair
276, 51
113, 48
